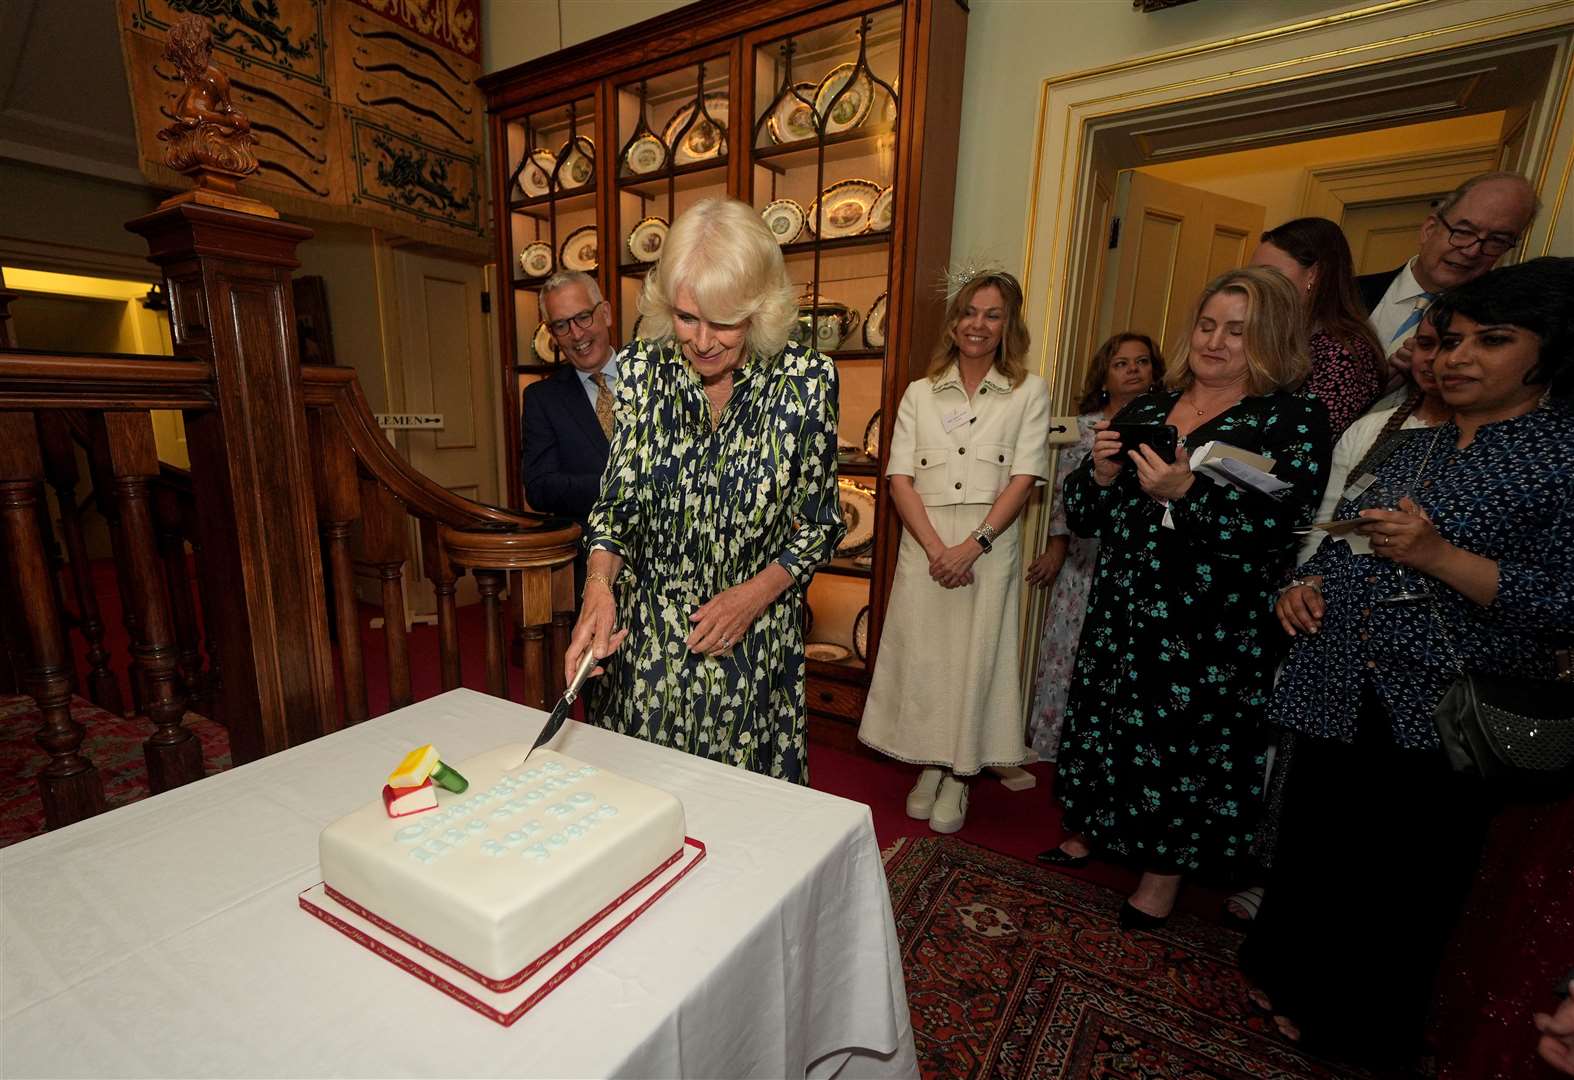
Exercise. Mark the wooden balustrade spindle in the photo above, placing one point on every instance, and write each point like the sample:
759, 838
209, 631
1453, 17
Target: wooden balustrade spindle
69, 784
338, 508
490, 583
177, 572
174, 756
488, 554
102, 473
383, 541
60, 464
440, 572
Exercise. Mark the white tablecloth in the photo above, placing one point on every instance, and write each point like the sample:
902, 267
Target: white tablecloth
164, 938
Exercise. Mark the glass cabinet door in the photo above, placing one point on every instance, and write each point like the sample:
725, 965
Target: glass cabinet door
822, 173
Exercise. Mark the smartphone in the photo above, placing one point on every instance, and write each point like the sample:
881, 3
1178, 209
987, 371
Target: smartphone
1162, 437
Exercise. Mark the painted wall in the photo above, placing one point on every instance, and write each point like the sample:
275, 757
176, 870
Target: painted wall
513, 31
1014, 45
1275, 176
346, 257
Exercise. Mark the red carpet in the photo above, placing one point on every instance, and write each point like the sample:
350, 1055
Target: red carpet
1017, 971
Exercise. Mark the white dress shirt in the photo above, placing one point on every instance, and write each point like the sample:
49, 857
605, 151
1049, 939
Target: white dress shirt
1403, 297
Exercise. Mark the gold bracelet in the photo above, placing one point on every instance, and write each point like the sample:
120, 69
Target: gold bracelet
596, 575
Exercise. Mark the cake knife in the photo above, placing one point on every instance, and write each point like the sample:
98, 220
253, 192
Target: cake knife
560, 711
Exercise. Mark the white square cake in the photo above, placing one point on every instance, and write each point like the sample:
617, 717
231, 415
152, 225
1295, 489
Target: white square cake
496, 877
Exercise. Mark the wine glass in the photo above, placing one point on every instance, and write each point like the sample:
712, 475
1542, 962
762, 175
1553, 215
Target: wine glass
1386, 495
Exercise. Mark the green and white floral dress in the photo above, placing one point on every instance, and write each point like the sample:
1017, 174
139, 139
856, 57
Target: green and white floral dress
694, 511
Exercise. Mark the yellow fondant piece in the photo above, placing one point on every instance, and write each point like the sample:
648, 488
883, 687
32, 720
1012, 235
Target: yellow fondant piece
415, 768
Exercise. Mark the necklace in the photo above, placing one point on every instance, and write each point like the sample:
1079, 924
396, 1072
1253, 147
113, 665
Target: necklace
1200, 411
717, 397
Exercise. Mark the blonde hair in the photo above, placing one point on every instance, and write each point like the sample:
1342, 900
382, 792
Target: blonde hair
1013, 339
1274, 337
722, 252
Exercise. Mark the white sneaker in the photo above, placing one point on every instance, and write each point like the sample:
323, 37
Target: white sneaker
950, 809
922, 798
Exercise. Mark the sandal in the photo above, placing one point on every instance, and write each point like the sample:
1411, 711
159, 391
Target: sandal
1248, 901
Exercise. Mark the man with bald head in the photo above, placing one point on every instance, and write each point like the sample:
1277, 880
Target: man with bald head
1481, 221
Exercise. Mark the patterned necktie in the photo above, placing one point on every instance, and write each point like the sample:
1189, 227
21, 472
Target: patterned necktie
1422, 302
603, 404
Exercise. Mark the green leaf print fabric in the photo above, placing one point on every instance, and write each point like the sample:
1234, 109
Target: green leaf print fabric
694, 512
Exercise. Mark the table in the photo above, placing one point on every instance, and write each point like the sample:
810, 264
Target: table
164, 938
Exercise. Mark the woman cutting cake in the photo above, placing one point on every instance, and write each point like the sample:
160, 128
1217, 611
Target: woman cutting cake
718, 504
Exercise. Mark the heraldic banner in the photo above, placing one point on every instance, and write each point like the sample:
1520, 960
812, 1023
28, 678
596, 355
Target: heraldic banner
364, 111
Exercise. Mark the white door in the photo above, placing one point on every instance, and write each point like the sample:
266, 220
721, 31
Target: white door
444, 350
1173, 240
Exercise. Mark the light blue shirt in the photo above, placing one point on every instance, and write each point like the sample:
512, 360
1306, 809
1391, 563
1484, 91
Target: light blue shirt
610, 371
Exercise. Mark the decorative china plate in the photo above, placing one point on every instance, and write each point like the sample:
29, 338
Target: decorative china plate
793, 118
536, 259
647, 238
880, 212
785, 219
702, 141
861, 634
845, 207
535, 179
645, 155
852, 108
544, 346
872, 436
828, 651
579, 250
874, 326
858, 514
579, 167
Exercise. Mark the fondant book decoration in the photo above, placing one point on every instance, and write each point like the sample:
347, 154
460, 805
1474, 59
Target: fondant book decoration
400, 802
409, 789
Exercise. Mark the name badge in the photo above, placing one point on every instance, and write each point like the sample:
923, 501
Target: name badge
955, 418
1353, 491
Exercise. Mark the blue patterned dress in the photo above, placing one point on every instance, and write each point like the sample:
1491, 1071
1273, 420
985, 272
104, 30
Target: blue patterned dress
1162, 756
694, 512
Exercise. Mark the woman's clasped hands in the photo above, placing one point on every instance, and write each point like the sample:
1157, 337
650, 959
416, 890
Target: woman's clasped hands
952, 567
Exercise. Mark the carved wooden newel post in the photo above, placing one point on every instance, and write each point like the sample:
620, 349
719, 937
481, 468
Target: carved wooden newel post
226, 261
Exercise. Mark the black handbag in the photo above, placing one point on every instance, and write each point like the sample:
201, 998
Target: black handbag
1503, 727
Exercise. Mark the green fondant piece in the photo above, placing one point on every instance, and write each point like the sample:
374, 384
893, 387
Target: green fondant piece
448, 779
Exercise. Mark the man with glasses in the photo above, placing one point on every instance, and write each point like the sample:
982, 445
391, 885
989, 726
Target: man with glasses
567, 417
1482, 220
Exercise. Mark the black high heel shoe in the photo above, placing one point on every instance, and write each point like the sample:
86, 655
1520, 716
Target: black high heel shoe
1056, 857
1132, 918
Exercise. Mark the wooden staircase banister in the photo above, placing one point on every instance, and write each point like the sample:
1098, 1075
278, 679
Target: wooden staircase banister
52, 380
337, 389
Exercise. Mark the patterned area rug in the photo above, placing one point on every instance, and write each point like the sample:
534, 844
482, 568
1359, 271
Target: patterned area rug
1018, 971
113, 743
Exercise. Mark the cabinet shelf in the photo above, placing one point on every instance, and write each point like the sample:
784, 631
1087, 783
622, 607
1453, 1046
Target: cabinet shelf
696, 174
846, 568
561, 202
843, 146
837, 243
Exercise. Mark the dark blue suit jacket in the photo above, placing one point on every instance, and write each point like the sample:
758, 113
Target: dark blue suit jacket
564, 449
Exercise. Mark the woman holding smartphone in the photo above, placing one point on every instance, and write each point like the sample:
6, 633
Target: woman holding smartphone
1162, 757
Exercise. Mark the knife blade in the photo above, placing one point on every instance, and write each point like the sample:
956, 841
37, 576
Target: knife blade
560, 711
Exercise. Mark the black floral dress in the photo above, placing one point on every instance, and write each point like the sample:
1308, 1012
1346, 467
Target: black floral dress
1162, 756
694, 512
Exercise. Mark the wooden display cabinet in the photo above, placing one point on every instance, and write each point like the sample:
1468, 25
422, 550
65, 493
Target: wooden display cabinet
844, 104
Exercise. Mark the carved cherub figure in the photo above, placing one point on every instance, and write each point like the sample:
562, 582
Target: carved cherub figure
209, 133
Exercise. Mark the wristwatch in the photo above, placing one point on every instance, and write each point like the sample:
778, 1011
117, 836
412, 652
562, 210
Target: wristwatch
985, 535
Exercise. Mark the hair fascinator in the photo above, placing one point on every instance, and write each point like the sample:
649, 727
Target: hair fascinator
963, 273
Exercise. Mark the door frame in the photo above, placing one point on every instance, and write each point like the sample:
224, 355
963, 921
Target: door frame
1064, 201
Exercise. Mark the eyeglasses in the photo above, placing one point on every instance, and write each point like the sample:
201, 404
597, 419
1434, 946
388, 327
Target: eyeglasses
1491, 243
582, 320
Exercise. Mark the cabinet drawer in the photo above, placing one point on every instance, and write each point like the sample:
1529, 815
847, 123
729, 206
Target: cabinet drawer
845, 700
